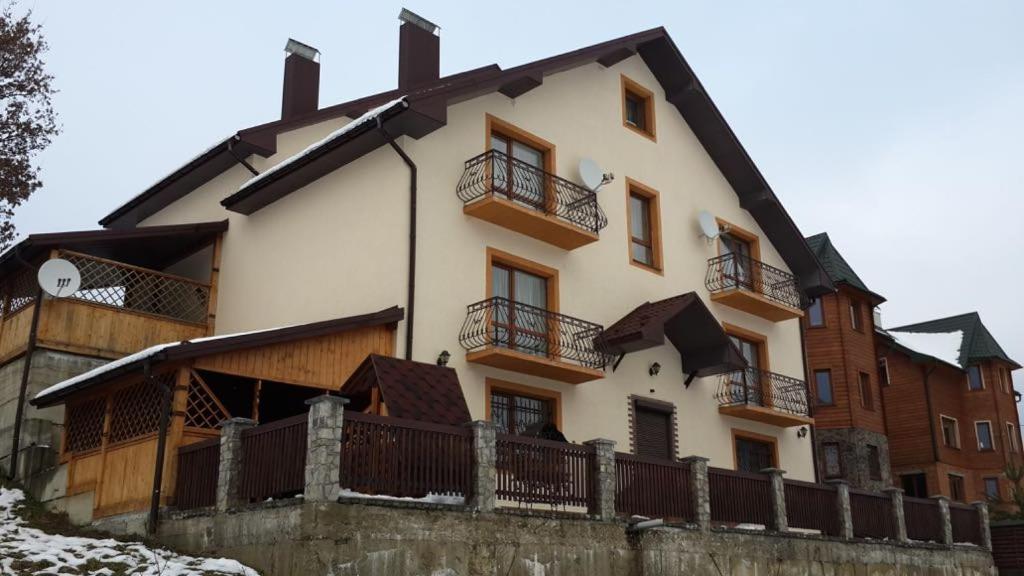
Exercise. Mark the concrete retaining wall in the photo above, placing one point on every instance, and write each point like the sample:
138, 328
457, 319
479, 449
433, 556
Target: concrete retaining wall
349, 539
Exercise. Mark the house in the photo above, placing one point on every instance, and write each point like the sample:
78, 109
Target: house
596, 306
951, 410
842, 366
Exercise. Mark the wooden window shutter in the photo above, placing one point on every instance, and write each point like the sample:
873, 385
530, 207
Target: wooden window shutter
653, 433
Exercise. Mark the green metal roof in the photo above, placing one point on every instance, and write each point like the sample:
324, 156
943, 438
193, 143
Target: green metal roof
838, 269
978, 343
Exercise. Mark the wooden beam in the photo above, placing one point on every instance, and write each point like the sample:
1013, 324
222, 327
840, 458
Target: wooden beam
521, 85
211, 312
612, 58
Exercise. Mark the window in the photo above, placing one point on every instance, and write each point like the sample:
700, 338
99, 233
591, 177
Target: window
950, 432
915, 485
874, 462
832, 460
867, 398
517, 409
984, 431
1012, 438
816, 314
637, 108
524, 292
856, 321
883, 371
644, 223
992, 488
754, 453
518, 165
956, 487
823, 387
1005, 381
653, 433
974, 379
745, 385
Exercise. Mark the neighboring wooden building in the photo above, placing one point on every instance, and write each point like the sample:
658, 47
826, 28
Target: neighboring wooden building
842, 369
951, 408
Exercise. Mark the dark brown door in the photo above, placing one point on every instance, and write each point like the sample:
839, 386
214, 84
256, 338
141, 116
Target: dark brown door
653, 433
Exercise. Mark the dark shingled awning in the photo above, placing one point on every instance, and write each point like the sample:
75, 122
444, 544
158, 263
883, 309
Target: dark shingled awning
703, 345
410, 390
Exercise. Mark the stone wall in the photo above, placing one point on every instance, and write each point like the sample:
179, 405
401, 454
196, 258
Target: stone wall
853, 448
353, 538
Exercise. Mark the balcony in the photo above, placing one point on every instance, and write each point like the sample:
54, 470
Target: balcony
754, 287
513, 336
515, 195
764, 397
119, 309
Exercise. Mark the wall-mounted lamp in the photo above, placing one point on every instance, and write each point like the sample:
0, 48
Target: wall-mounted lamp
1016, 396
443, 357
802, 432
654, 369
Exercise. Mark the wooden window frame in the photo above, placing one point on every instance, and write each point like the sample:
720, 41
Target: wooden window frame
817, 396
984, 488
883, 368
867, 401
750, 336
630, 86
657, 405
504, 386
856, 315
824, 323
747, 435
824, 461
507, 260
726, 227
1013, 437
963, 486
874, 464
956, 432
981, 378
654, 213
494, 125
991, 436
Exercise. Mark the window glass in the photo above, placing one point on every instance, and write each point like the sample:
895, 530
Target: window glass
815, 314
754, 455
640, 229
883, 371
915, 485
874, 462
855, 315
984, 435
956, 487
949, 433
974, 381
517, 414
823, 386
833, 462
992, 488
1013, 439
635, 110
867, 399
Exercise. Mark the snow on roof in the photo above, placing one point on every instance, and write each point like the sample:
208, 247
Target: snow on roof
137, 357
371, 115
943, 346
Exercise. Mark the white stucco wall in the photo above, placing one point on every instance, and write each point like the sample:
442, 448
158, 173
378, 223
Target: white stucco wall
339, 247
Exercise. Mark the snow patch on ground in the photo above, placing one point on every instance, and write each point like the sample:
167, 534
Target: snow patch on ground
942, 345
28, 550
428, 499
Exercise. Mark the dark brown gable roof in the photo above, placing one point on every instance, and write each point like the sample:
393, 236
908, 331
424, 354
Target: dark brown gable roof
703, 345
208, 346
427, 111
410, 390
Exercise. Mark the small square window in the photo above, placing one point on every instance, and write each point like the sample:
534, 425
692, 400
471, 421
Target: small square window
637, 108
816, 314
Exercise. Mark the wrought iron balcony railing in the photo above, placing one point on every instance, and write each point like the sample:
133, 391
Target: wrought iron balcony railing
503, 176
754, 387
730, 272
500, 322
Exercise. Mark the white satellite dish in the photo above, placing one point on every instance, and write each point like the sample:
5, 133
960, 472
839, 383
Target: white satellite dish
591, 174
58, 277
708, 225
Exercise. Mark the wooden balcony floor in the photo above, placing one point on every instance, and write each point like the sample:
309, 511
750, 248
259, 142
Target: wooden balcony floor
533, 365
756, 304
550, 229
765, 415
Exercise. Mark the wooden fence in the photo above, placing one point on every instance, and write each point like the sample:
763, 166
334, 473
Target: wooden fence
966, 528
405, 458
812, 507
739, 497
923, 519
1008, 545
535, 471
196, 486
274, 459
872, 515
653, 488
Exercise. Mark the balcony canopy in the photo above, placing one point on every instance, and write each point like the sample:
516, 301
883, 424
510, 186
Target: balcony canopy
410, 390
154, 247
703, 345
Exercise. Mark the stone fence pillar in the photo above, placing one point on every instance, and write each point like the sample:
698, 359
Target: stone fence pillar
898, 517
323, 448
984, 527
945, 519
230, 470
700, 491
604, 475
485, 466
777, 477
843, 507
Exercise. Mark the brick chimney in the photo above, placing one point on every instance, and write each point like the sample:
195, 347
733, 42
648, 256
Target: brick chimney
419, 51
301, 80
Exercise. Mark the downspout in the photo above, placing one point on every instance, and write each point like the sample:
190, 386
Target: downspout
26, 368
810, 404
928, 403
411, 297
240, 160
161, 448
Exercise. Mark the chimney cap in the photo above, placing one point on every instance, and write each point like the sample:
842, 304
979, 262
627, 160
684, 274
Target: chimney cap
304, 50
409, 17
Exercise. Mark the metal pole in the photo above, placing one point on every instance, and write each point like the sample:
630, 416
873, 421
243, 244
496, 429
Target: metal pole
161, 448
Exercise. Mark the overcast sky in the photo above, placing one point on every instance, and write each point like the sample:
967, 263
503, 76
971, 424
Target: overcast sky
894, 126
